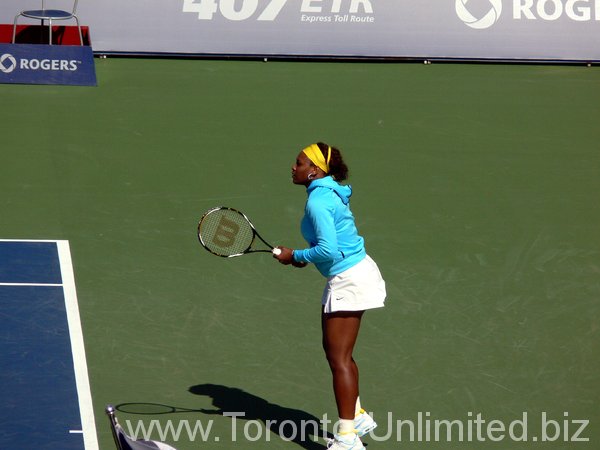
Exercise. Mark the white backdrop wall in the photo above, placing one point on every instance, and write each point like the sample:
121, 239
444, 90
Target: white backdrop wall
472, 29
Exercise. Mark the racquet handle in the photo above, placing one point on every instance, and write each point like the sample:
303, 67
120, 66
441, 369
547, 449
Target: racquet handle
277, 251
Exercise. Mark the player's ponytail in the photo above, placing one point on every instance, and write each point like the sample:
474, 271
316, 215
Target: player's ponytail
337, 168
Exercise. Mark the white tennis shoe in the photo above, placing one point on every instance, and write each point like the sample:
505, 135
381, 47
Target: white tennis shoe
364, 423
345, 441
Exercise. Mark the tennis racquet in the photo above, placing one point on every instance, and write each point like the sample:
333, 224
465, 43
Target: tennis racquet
228, 233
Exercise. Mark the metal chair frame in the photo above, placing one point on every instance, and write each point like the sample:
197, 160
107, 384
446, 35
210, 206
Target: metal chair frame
110, 412
49, 15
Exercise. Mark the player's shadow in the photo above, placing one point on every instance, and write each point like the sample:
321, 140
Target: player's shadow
290, 424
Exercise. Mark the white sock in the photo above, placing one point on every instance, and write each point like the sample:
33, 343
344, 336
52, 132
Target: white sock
358, 407
345, 426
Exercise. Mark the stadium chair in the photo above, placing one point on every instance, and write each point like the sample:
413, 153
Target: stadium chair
49, 15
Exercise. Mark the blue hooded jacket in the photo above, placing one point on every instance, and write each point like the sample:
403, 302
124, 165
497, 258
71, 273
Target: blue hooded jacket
328, 227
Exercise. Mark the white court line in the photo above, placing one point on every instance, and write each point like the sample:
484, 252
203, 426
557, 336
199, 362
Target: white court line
27, 240
90, 440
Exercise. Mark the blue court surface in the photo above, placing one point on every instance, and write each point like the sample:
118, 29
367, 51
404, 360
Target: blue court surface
43, 382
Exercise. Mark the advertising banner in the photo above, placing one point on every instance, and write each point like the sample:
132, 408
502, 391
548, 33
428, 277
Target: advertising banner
463, 29
47, 64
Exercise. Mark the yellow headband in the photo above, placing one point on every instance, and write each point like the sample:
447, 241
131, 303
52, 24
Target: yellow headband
315, 154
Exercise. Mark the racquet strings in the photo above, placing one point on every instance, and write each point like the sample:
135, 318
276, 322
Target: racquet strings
226, 232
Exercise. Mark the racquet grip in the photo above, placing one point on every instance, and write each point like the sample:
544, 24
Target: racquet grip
277, 251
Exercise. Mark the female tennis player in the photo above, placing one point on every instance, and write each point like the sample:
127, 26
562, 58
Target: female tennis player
354, 283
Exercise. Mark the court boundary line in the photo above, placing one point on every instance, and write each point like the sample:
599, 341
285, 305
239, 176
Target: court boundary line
86, 409
29, 240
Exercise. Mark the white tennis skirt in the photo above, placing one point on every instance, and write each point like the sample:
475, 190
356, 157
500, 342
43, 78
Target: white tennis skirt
359, 288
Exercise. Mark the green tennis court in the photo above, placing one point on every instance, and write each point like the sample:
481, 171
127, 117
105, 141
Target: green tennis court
475, 186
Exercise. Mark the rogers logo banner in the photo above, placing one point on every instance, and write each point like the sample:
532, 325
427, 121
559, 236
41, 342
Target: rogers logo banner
268, 10
489, 19
544, 10
8, 63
